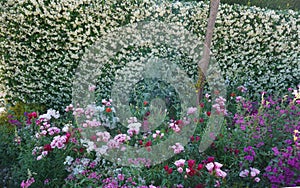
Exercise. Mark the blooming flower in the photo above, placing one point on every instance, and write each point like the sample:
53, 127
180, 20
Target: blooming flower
121, 138
210, 167
179, 163
69, 108
27, 183
244, 173
103, 136
191, 163
215, 166
220, 173
254, 172
121, 177
191, 110
180, 169
134, 128
178, 148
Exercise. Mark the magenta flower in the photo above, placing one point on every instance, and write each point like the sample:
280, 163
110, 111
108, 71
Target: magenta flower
27, 183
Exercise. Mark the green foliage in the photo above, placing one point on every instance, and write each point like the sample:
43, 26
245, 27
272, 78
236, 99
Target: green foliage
40, 51
8, 155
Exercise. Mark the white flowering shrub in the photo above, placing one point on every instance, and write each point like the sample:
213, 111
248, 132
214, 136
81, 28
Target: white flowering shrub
41, 43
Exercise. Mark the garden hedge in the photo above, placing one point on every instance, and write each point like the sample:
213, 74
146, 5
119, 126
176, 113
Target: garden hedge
41, 42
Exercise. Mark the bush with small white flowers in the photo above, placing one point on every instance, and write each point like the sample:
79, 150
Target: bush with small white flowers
41, 42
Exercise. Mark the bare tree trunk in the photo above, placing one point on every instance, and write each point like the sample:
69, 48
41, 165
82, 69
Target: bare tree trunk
204, 62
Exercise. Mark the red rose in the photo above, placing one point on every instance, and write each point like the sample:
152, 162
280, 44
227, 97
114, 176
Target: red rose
149, 143
145, 103
201, 120
202, 105
170, 170
191, 163
68, 135
47, 147
200, 166
192, 172
32, 115
140, 142
192, 138
166, 168
208, 113
210, 159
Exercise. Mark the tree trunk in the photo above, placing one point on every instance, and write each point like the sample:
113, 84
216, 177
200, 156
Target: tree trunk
204, 62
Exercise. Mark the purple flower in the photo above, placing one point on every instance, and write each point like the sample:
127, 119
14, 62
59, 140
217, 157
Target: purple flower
249, 158
268, 169
289, 142
260, 144
275, 150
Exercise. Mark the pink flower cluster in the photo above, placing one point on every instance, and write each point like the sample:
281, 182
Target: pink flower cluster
215, 167
91, 123
69, 108
253, 174
53, 130
78, 112
60, 141
27, 183
121, 138
134, 127
176, 125
192, 168
158, 134
50, 113
103, 136
220, 106
113, 144
90, 111
178, 148
106, 103
46, 128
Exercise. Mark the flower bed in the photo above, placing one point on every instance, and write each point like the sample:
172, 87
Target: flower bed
258, 146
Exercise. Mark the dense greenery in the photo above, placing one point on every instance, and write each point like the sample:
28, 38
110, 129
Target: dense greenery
40, 50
